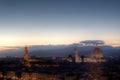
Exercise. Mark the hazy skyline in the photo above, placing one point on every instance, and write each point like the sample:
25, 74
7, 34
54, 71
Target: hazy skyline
42, 22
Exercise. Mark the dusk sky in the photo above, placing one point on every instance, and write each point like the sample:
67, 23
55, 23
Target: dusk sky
42, 22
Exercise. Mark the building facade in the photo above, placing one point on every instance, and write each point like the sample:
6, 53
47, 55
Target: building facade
95, 56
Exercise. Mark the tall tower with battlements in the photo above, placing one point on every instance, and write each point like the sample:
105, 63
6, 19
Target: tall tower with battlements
26, 54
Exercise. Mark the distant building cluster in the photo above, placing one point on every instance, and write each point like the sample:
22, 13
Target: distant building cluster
11, 75
92, 67
95, 56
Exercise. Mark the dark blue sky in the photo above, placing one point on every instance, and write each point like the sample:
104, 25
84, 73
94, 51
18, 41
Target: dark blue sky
58, 21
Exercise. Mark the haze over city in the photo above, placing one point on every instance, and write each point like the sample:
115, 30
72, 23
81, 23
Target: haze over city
43, 22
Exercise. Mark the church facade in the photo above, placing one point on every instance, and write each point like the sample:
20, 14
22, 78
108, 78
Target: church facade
95, 56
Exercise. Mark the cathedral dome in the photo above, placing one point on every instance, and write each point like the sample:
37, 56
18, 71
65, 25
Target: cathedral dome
97, 52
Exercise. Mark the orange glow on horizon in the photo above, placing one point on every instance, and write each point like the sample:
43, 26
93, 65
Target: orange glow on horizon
53, 40
64, 42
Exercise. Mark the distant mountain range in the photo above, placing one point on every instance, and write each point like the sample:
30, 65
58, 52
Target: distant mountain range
62, 50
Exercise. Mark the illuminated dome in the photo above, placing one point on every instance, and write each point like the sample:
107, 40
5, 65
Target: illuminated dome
97, 52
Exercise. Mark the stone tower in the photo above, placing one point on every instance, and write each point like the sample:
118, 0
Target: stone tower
26, 54
76, 55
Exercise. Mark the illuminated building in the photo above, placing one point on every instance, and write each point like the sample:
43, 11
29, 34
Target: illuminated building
96, 56
76, 57
26, 54
11, 75
1, 74
27, 59
97, 53
69, 58
25, 76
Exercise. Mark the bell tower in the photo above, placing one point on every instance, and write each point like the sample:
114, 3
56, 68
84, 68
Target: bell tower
26, 54
75, 54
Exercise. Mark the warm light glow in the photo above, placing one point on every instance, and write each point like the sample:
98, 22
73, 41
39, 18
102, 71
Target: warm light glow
47, 41
113, 43
7, 48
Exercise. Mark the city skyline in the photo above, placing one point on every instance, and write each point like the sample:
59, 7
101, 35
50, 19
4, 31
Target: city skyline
54, 22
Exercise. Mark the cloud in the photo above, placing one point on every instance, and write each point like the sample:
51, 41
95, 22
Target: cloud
2, 48
92, 42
